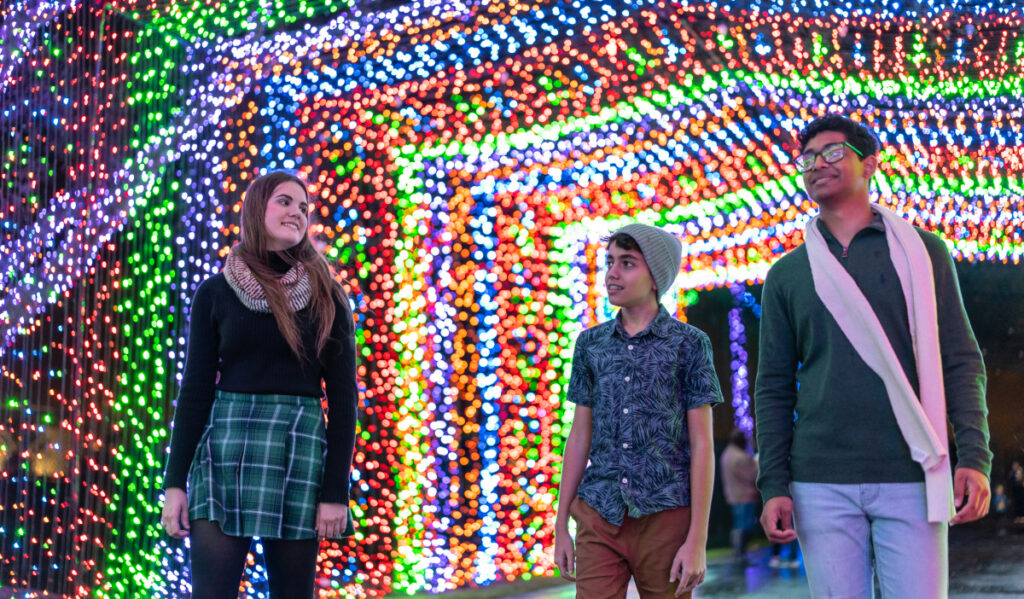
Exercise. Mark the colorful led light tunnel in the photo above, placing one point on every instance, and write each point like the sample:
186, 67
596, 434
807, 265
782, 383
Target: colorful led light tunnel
466, 158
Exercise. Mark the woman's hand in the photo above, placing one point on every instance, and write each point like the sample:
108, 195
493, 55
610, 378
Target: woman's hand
175, 513
331, 519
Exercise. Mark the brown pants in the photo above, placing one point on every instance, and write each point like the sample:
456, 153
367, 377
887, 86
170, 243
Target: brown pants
607, 555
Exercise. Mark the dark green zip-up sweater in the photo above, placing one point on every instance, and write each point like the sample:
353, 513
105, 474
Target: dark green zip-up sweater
822, 414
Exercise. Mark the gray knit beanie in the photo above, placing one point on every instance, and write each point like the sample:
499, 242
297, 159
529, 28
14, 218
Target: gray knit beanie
662, 251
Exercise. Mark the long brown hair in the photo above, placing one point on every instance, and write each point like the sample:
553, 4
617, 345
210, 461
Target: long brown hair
253, 251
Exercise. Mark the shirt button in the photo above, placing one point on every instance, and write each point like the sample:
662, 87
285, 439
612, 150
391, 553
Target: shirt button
625, 410
630, 347
625, 481
625, 445
627, 379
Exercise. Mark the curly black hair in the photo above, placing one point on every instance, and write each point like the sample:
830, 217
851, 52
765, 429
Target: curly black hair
858, 135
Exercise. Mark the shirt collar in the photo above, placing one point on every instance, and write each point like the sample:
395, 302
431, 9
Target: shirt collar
876, 224
659, 327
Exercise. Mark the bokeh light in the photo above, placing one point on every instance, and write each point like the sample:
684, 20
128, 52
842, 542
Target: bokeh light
467, 159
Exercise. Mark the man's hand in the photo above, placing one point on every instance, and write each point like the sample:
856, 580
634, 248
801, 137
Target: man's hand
777, 520
175, 513
565, 554
689, 566
973, 484
331, 519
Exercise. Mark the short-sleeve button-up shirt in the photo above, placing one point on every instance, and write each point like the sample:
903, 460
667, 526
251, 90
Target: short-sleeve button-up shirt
639, 389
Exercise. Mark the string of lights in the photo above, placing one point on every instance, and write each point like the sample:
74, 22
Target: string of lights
467, 160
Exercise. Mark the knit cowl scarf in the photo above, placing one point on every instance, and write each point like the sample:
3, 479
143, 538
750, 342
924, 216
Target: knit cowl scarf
250, 292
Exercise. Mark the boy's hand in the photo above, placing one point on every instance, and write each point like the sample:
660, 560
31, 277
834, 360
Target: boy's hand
689, 566
974, 485
565, 554
777, 520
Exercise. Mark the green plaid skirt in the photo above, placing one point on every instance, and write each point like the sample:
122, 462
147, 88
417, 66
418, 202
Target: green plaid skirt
259, 464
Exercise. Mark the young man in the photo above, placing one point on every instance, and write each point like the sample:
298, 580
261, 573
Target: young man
643, 385
867, 317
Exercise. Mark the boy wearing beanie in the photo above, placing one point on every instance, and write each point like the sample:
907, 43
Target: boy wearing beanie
643, 385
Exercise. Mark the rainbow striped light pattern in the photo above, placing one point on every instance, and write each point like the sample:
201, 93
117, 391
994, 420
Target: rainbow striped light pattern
467, 159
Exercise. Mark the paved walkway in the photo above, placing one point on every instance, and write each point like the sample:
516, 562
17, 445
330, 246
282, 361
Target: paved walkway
986, 562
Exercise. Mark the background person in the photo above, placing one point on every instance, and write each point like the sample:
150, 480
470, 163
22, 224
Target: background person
739, 484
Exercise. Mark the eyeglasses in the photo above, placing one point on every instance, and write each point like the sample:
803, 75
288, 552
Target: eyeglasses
831, 153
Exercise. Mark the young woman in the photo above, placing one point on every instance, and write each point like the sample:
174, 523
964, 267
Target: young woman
267, 337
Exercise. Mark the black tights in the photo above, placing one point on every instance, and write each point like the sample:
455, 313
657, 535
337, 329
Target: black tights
218, 561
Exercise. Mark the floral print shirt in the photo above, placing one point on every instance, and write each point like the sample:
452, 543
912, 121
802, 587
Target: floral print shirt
639, 389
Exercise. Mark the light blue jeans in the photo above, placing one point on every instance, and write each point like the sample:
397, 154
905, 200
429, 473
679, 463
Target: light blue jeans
843, 527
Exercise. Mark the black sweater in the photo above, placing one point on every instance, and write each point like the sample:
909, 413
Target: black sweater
248, 352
